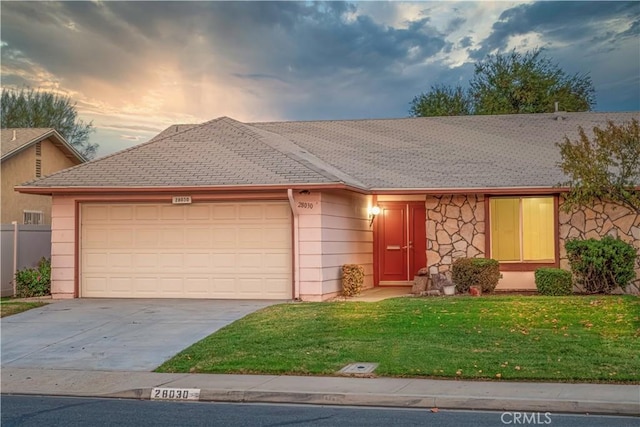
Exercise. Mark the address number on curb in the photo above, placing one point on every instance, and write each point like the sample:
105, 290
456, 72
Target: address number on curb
162, 393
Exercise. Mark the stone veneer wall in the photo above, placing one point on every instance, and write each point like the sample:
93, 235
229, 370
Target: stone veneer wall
455, 228
597, 221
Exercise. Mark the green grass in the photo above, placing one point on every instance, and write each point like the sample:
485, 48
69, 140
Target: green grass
8, 307
578, 338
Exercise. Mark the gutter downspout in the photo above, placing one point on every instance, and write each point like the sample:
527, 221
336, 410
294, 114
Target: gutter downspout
296, 246
15, 254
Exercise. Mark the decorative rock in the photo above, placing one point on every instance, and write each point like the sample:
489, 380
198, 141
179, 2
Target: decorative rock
419, 284
466, 231
466, 213
452, 211
577, 220
624, 223
443, 238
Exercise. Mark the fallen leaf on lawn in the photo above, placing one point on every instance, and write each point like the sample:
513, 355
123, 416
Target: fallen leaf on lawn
517, 368
498, 375
459, 372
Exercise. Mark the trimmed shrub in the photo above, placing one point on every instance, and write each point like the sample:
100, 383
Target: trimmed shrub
352, 279
34, 282
601, 265
553, 281
483, 272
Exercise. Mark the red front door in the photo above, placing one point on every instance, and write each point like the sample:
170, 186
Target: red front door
401, 241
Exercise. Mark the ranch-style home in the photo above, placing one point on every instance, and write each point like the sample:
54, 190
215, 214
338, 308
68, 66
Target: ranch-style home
226, 209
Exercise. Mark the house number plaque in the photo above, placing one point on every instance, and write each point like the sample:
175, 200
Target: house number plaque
181, 200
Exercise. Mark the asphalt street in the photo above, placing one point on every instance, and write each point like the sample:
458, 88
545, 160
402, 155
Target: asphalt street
65, 411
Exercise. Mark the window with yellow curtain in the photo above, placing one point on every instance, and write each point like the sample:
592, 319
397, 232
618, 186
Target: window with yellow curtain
522, 229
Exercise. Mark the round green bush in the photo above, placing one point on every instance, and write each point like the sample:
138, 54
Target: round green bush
601, 265
553, 281
483, 272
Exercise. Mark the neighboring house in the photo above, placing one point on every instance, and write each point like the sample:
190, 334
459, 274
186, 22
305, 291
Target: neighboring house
28, 154
226, 209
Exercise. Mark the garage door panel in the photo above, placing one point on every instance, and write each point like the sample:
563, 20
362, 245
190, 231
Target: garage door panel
146, 212
171, 212
95, 213
198, 212
145, 286
215, 250
120, 261
121, 212
251, 211
198, 237
224, 212
145, 261
277, 238
198, 261
277, 212
120, 237
95, 238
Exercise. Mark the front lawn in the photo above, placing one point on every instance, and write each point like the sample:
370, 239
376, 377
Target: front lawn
578, 338
9, 307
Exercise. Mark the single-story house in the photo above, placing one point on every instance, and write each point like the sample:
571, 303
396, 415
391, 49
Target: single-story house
226, 209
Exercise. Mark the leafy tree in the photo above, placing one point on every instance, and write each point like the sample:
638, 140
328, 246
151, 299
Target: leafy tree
510, 83
442, 101
514, 83
604, 168
28, 108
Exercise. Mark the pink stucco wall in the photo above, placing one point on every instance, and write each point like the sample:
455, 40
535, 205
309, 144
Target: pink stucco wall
335, 232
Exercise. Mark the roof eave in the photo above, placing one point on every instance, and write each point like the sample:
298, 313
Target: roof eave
184, 189
472, 190
51, 133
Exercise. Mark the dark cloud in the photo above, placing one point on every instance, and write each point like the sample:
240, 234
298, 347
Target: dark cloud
466, 42
564, 21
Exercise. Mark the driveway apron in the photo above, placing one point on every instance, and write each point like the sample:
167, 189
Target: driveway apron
114, 334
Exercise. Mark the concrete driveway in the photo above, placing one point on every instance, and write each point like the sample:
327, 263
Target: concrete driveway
113, 334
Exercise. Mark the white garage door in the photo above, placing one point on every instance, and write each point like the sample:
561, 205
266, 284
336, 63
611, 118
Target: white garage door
202, 250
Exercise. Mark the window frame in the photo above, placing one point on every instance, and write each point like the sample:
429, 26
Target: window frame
523, 265
36, 214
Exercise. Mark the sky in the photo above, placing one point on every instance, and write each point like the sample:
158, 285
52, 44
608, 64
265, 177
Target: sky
134, 68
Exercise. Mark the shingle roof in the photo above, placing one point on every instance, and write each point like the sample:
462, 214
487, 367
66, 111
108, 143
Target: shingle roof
222, 152
14, 140
446, 152
469, 152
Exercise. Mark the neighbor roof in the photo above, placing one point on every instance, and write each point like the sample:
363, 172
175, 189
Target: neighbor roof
15, 140
377, 155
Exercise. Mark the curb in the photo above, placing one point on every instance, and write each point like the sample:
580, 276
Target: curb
403, 401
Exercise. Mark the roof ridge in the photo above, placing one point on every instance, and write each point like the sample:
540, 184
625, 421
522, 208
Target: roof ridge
293, 151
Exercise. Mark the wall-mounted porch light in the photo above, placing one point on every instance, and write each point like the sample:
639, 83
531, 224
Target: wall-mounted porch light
373, 211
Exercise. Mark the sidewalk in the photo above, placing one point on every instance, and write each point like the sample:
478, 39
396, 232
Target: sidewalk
393, 392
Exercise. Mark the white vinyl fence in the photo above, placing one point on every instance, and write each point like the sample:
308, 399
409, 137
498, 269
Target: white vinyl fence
22, 246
